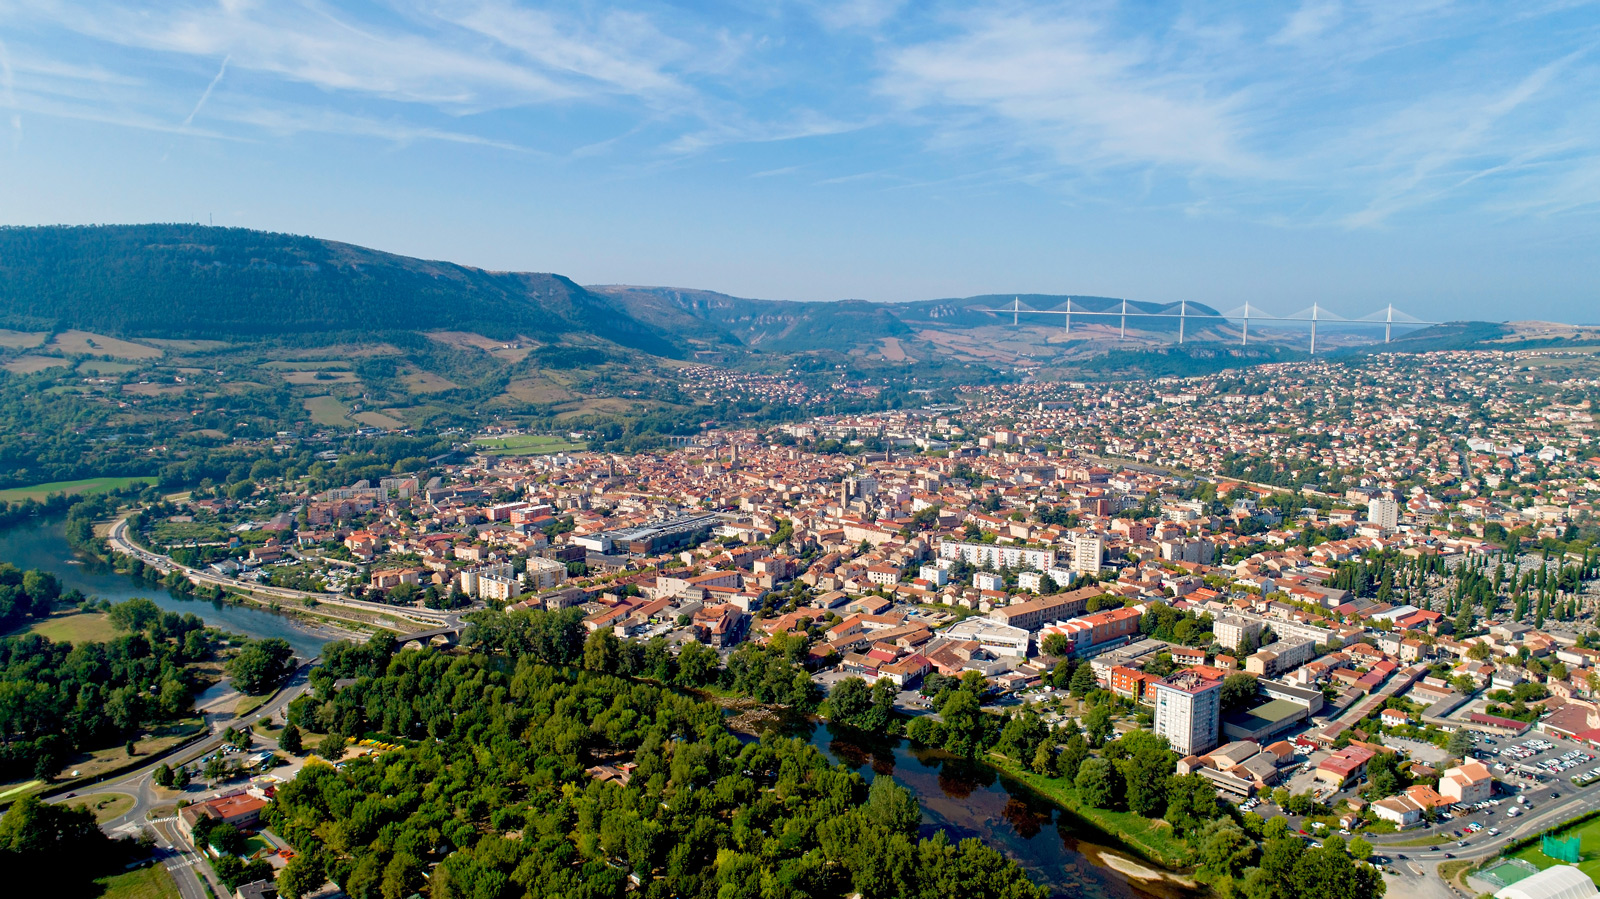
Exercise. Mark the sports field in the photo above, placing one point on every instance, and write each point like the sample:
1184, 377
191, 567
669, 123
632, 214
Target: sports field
525, 445
72, 488
1589, 845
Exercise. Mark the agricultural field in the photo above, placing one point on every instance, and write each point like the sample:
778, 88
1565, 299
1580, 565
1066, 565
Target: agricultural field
328, 410
71, 488
21, 340
28, 365
87, 344
525, 445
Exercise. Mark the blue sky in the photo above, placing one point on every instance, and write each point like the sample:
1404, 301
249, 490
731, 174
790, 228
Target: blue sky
1441, 156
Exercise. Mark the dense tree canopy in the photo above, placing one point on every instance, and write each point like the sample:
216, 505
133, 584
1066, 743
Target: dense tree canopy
495, 799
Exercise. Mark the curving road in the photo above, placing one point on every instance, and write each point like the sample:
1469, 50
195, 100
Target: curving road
187, 867
120, 542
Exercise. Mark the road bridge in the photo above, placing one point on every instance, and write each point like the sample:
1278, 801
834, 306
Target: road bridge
1387, 317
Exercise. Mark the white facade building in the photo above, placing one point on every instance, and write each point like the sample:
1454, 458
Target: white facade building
1384, 512
1087, 554
999, 555
1188, 711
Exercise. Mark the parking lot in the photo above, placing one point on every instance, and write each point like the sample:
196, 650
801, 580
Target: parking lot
1537, 762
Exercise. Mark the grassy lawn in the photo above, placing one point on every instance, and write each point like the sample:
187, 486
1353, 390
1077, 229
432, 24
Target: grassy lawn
1449, 871
149, 882
74, 627
524, 445
108, 805
11, 791
1588, 848
87, 485
112, 758
166, 533
1153, 839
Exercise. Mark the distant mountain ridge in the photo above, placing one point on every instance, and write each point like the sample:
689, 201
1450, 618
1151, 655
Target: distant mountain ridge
792, 326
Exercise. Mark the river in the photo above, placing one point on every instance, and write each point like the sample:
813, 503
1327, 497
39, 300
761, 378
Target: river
43, 545
968, 799
962, 797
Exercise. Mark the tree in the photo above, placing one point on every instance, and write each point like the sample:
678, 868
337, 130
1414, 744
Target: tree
1097, 784
289, 740
1238, 690
1083, 682
1044, 759
332, 747
1459, 743
261, 665
1058, 645
1360, 849
303, 875
1098, 724
226, 838
1224, 848
1479, 652
848, 700
1072, 757
162, 775
48, 833
1191, 802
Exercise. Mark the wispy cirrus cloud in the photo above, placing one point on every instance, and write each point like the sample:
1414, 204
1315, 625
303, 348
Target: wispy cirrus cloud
1063, 83
1334, 113
1328, 113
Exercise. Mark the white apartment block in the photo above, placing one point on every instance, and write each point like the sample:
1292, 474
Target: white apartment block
1188, 711
1384, 512
499, 588
999, 555
545, 574
1231, 631
1087, 554
470, 580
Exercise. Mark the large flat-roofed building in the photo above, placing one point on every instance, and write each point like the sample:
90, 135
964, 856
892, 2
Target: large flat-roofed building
993, 636
656, 537
1188, 705
1102, 630
1265, 721
1034, 613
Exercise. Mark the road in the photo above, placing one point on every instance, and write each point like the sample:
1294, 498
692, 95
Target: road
172, 851
119, 541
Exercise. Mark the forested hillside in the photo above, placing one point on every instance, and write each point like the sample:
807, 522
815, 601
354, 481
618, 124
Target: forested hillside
192, 281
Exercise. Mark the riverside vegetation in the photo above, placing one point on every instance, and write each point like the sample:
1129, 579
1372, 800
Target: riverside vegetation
494, 795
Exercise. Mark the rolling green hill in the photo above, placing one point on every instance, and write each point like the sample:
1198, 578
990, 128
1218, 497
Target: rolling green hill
191, 281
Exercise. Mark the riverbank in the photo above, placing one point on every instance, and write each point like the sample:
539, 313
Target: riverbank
42, 544
1151, 839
